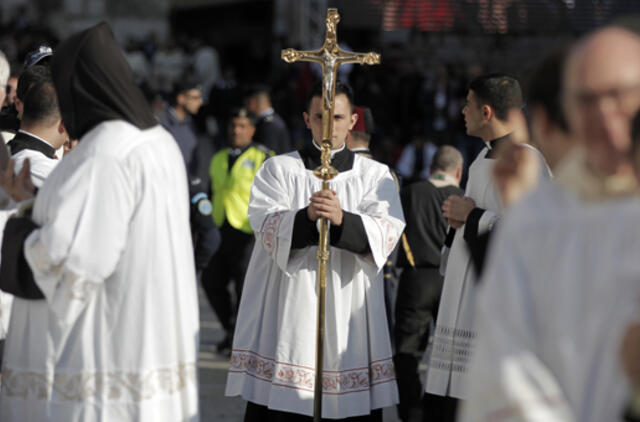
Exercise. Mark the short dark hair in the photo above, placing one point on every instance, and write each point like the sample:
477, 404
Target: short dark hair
501, 92
257, 89
243, 112
446, 158
545, 86
317, 91
31, 76
41, 104
181, 86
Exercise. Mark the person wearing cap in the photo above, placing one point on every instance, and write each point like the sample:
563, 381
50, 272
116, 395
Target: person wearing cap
41, 55
10, 115
185, 101
232, 171
105, 320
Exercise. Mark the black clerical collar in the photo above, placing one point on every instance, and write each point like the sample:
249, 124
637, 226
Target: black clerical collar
341, 160
365, 152
25, 140
493, 145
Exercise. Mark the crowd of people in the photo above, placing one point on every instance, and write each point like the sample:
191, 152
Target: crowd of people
123, 186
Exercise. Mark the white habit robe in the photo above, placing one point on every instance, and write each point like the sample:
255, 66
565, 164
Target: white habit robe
455, 333
115, 338
562, 284
273, 357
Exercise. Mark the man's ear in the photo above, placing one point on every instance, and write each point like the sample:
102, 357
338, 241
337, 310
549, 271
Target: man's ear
354, 119
487, 112
459, 174
61, 127
180, 100
305, 117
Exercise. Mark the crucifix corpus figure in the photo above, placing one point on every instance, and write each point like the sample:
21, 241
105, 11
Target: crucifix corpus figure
323, 234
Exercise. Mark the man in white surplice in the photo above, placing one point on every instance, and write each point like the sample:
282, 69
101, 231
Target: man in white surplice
490, 99
104, 325
273, 357
561, 285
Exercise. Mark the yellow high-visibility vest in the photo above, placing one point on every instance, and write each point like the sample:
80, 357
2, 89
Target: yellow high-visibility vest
230, 190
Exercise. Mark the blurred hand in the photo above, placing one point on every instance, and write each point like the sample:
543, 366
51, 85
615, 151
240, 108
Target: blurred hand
325, 204
515, 172
630, 354
456, 209
19, 187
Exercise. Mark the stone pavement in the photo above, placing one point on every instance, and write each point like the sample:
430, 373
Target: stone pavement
212, 371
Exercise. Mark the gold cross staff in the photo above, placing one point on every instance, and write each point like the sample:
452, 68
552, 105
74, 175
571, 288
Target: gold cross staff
330, 56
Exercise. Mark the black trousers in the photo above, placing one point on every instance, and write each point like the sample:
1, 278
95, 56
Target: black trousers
438, 408
258, 413
417, 302
228, 264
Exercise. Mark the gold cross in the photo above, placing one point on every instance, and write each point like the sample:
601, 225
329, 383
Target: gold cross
329, 56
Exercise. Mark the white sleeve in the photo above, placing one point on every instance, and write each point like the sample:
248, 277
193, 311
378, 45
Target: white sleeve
79, 246
270, 214
508, 380
487, 221
382, 217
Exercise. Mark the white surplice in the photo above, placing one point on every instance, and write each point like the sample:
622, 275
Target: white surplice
562, 283
273, 358
115, 338
455, 333
40, 165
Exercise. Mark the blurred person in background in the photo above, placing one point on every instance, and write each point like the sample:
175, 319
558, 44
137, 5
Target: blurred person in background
184, 103
271, 130
489, 100
232, 171
12, 86
420, 283
8, 121
560, 286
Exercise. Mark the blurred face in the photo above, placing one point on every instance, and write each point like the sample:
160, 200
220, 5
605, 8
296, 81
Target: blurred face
473, 114
191, 100
12, 86
343, 119
240, 132
602, 93
252, 104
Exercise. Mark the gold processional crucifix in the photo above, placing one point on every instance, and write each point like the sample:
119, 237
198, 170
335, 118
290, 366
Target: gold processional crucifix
330, 56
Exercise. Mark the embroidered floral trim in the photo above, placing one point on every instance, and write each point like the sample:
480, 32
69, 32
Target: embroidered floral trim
269, 231
303, 377
125, 386
389, 235
77, 287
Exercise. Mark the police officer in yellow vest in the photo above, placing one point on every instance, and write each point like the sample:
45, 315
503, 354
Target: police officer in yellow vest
232, 171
